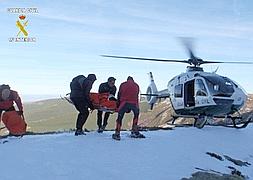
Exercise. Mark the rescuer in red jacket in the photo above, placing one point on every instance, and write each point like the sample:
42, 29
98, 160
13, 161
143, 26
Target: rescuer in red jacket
128, 100
7, 99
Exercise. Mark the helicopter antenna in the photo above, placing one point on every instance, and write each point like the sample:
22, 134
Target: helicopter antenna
151, 76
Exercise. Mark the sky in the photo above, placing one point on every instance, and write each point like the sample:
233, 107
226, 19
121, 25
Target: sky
71, 36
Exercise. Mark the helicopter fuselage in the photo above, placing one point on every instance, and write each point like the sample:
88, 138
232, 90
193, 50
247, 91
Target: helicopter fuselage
196, 93
202, 93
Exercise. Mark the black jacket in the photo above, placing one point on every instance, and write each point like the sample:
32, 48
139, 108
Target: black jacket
105, 88
80, 88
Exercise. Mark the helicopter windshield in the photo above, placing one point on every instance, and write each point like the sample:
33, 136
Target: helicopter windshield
220, 86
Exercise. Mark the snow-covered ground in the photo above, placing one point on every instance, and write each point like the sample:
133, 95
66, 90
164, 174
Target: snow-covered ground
163, 155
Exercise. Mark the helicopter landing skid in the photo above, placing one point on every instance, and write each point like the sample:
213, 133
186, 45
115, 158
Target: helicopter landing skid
201, 121
245, 124
236, 125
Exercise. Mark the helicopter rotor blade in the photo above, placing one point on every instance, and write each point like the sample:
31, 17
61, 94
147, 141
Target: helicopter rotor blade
146, 59
188, 43
175, 60
226, 62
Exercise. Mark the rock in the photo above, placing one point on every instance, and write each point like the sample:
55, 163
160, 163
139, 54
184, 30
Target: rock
236, 161
212, 176
215, 156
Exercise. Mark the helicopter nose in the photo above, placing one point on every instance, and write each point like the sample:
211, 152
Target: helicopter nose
240, 98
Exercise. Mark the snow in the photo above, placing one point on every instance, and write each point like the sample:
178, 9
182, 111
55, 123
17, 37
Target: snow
163, 155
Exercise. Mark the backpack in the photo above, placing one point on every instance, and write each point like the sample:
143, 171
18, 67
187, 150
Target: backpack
77, 81
5, 92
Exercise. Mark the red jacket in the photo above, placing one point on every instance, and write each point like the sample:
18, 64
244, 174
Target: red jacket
128, 93
7, 104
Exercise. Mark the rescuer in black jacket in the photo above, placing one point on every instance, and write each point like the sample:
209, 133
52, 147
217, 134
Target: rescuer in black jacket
80, 91
107, 87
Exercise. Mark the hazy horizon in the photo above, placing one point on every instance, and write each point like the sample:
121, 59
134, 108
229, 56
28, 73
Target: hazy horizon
27, 98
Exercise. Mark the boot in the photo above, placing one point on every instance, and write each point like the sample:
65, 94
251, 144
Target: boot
86, 130
103, 127
79, 132
136, 134
116, 136
100, 130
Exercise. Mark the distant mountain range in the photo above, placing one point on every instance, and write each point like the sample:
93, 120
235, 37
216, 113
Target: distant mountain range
37, 97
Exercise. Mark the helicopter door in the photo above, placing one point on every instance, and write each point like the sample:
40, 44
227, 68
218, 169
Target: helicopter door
178, 100
201, 97
189, 99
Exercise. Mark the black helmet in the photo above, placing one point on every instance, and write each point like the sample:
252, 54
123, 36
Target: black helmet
92, 77
5, 92
111, 79
4, 86
130, 78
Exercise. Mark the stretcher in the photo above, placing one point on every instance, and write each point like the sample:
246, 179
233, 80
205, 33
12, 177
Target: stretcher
103, 102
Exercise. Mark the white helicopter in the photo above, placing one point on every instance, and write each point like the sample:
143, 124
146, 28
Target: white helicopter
198, 94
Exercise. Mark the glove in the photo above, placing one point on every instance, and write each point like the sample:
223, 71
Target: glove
118, 104
112, 98
91, 107
20, 113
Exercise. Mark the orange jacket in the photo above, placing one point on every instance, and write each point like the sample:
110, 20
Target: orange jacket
7, 104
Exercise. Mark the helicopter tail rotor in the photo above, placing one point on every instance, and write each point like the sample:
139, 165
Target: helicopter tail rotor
151, 93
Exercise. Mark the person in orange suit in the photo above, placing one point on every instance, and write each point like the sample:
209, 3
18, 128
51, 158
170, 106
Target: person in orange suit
7, 99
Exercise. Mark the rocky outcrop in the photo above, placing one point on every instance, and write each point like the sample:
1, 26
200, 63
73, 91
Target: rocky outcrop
212, 176
215, 175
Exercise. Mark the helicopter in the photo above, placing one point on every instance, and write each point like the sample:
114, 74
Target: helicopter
197, 94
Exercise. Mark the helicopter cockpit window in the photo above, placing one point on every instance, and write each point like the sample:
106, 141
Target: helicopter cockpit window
178, 92
200, 87
220, 86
